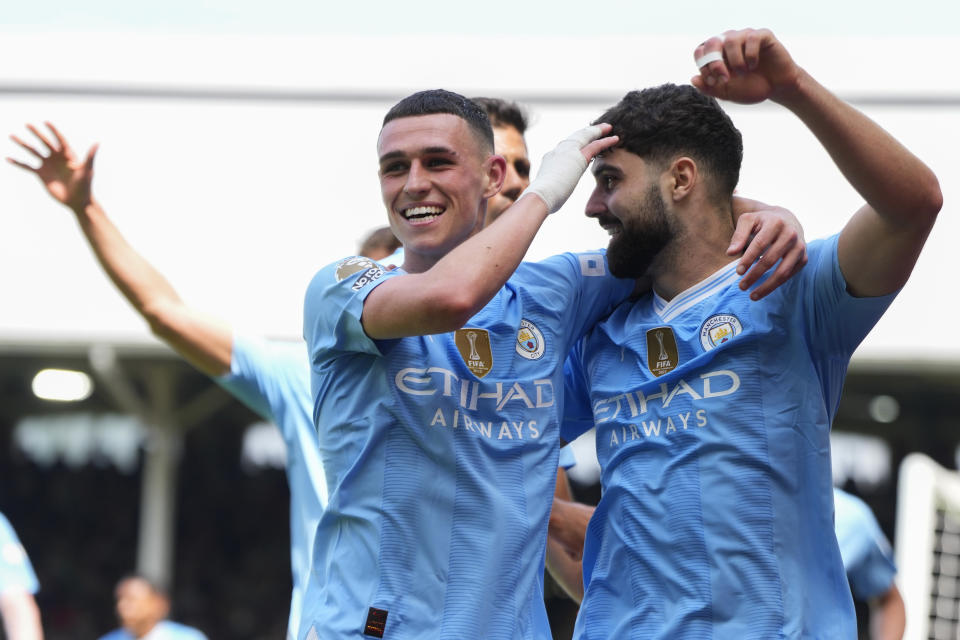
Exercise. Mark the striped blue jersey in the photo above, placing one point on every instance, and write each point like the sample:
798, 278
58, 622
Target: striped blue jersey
441, 455
867, 556
16, 572
713, 415
273, 378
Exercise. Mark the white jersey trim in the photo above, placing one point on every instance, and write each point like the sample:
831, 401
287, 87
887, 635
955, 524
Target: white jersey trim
714, 283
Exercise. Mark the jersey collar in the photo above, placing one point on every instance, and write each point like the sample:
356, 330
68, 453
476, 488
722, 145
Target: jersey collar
712, 284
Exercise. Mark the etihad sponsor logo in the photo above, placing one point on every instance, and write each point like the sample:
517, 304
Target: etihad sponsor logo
655, 428
429, 381
530, 341
662, 353
625, 406
474, 347
498, 429
719, 329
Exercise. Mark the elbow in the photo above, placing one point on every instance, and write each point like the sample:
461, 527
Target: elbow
455, 309
160, 319
930, 199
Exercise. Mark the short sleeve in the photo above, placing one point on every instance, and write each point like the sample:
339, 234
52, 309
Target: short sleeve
828, 301
591, 289
269, 376
333, 308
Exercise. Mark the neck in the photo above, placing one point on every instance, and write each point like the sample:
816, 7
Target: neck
418, 263
697, 250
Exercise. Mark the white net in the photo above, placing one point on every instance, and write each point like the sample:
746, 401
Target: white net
928, 548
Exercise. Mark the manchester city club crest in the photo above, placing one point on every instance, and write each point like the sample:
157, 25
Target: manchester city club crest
529, 341
662, 353
474, 347
719, 329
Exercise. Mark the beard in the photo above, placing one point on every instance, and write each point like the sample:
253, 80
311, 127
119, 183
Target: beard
643, 235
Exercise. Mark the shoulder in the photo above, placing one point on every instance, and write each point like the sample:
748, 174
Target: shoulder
352, 272
182, 631
116, 634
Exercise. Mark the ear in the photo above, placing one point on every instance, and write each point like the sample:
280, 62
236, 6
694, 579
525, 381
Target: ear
683, 177
495, 170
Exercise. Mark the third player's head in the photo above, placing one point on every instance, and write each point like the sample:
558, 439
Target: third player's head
679, 156
141, 604
437, 170
509, 126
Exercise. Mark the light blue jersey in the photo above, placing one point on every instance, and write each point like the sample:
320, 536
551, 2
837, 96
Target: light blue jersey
441, 455
273, 379
16, 572
713, 415
867, 556
163, 630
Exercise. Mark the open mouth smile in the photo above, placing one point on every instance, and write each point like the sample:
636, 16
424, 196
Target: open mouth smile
422, 214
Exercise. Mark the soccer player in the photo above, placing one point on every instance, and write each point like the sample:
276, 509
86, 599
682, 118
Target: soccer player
868, 562
509, 124
439, 439
270, 376
142, 609
18, 583
713, 411
437, 389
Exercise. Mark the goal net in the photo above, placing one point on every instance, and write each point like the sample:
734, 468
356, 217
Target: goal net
928, 548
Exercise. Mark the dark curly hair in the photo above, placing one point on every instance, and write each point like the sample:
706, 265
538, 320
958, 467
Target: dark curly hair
424, 103
660, 123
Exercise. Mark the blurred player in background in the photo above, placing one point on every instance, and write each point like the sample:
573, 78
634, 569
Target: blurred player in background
142, 609
18, 584
509, 124
713, 410
868, 562
269, 376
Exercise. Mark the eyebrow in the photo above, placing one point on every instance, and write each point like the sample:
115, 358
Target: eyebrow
599, 166
393, 155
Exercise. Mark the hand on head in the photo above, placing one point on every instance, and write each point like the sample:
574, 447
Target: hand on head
561, 168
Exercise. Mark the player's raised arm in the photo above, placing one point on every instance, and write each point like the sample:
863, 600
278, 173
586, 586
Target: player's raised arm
461, 281
204, 341
880, 244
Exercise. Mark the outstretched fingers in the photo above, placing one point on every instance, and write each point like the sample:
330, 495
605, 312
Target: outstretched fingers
42, 138
28, 148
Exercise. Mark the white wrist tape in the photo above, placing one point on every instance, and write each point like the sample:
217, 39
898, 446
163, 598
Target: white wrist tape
707, 58
561, 169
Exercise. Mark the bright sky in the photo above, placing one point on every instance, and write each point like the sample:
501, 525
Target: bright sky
533, 17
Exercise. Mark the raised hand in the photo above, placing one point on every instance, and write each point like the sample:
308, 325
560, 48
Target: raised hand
745, 66
66, 178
